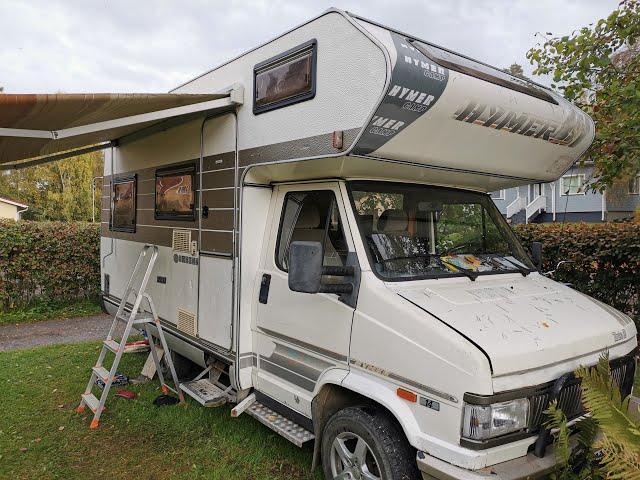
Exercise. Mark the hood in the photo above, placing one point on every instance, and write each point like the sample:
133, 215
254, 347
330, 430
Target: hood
522, 323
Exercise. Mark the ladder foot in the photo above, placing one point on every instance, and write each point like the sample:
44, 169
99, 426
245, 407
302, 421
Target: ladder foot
94, 424
164, 390
80, 409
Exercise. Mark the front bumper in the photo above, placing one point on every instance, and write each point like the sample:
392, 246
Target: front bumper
528, 467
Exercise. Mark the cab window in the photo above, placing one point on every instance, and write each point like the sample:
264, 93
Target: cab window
311, 216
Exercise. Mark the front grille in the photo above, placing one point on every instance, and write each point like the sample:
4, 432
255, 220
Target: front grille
570, 396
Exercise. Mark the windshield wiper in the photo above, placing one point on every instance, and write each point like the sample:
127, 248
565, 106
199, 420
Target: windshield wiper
520, 268
467, 273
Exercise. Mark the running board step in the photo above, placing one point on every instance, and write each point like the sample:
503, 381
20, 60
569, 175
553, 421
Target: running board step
280, 424
205, 392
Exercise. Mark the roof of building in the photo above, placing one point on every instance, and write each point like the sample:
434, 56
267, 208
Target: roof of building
13, 202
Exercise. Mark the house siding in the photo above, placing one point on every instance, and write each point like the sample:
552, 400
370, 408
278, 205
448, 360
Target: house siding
8, 211
585, 207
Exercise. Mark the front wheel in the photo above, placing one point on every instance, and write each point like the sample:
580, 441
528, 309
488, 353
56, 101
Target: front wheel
366, 444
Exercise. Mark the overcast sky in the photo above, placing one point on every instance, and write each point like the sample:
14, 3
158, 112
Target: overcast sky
152, 46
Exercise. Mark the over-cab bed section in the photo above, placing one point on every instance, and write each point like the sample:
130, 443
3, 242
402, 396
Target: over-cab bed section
447, 111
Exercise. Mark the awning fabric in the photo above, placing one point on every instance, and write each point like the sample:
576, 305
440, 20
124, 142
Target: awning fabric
33, 126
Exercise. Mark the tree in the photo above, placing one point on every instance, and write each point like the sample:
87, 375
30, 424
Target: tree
58, 190
598, 69
516, 70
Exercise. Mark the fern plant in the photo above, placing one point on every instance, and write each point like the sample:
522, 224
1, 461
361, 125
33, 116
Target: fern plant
610, 430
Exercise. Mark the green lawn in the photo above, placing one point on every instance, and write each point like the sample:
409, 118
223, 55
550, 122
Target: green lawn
42, 436
49, 309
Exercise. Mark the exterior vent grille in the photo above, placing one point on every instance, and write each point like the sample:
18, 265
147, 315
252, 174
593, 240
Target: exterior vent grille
181, 241
187, 322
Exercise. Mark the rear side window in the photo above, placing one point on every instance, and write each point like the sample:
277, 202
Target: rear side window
123, 204
175, 193
312, 217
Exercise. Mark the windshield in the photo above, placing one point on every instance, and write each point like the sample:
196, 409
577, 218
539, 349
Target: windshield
417, 231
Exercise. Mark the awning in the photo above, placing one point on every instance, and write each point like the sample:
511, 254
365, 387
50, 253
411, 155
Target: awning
51, 127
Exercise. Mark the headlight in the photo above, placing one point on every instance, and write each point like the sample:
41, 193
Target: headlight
489, 421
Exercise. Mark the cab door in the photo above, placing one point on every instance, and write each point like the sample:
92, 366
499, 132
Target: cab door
300, 335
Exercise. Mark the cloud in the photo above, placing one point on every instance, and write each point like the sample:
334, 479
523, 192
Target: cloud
152, 46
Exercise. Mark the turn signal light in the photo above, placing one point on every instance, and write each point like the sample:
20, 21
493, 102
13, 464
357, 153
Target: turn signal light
407, 395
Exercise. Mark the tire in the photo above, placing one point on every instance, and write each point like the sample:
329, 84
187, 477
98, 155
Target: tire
376, 447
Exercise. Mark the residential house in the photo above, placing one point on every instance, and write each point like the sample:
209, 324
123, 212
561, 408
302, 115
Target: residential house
11, 209
567, 200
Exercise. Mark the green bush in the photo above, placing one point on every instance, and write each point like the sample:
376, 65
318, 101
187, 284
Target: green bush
605, 256
48, 260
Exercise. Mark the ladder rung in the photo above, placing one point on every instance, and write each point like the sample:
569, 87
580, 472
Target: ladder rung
140, 318
112, 345
92, 402
102, 373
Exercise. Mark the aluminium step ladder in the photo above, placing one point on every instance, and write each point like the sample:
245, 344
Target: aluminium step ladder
139, 319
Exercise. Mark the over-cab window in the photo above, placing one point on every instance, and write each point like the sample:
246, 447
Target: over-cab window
175, 193
285, 79
312, 217
123, 204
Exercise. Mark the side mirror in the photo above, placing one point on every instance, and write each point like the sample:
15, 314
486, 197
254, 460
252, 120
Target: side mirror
306, 271
305, 267
536, 254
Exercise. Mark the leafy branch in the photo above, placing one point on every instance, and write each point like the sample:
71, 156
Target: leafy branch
598, 68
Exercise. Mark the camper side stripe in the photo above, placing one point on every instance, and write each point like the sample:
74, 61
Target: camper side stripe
417, 83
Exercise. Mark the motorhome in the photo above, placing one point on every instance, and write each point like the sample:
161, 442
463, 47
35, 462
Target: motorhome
326, 242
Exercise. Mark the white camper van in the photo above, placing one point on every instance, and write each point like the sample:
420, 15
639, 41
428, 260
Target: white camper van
326, 243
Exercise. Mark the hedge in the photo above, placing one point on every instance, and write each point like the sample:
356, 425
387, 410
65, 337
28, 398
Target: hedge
50, 260
605, 256
61, 260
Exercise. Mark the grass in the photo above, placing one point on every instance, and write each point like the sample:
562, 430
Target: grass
42, 436
49, 310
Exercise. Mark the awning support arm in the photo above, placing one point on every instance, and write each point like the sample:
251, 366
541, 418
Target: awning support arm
57, 156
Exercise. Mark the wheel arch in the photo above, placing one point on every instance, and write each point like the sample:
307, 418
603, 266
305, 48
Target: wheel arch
358, 389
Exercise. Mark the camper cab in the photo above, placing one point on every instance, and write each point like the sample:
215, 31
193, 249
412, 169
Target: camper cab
328, 246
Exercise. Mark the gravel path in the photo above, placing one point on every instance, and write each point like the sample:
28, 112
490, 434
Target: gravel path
50, 332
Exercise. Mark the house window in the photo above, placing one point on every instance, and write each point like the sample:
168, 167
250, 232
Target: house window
634, 185
123, 204
285, 79
499, 195
572, 185
175, 193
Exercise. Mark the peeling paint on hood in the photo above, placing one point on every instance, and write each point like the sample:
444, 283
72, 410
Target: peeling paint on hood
522, 323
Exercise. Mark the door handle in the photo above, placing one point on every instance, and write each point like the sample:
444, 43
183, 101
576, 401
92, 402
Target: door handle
264, 288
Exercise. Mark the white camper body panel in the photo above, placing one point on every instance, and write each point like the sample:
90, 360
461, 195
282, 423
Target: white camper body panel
351, 76
198, 288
